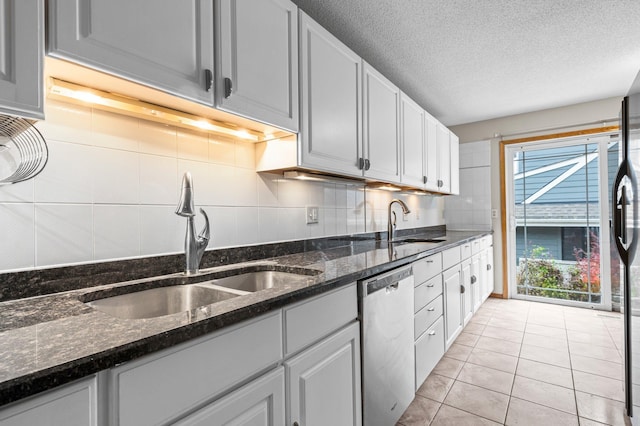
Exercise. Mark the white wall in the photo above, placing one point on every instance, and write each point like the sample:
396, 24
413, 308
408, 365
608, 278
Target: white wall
471, 209
556, 120
112, 182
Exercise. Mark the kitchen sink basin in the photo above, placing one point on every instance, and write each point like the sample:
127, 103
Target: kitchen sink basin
161, 301
256, 281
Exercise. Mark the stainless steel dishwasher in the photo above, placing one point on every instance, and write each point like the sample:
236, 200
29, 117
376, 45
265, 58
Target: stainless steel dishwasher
386, 314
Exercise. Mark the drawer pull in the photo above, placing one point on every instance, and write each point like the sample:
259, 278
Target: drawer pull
488, 267
431, 309
473, 279
429, 261
430, 285
432, 333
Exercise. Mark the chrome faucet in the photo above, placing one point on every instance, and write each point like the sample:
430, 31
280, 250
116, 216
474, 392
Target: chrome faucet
193, 246
391, 225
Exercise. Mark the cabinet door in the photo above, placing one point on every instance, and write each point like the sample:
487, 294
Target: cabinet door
454, 164
257, 61
489, 276
21, 56
470, 289
431, 152
164, 44
324, 381
444, 159
453, 304
70, 405
261, 402
412, 143
380, 115
477, 278
330, 102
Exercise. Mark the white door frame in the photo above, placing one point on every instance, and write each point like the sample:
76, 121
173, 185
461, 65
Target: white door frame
603, 189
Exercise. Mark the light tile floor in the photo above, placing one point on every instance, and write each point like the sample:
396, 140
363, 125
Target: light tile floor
527, 363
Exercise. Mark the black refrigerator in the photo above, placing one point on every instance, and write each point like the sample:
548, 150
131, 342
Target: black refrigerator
626, 203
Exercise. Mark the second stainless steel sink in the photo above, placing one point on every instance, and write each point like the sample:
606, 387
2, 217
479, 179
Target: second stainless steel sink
256, 281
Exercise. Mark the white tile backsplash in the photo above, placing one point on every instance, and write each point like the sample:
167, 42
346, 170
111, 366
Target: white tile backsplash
67, 176
17, 245
64, 233
116, 176
161, 230
112, 184
158, 139
116, 231
158, 180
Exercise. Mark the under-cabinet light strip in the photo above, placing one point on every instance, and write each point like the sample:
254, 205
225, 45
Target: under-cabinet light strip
69, 92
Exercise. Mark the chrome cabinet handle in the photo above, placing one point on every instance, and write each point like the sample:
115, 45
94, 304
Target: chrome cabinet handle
424, 179
432, 333
228, 87
430, 285
473, 279
462, 289
361, 163
208, 80
488, 267
431, 309
367, 164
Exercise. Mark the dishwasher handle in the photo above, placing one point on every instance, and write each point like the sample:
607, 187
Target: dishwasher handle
388, 281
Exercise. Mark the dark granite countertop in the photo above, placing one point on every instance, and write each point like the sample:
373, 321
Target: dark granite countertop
52, 339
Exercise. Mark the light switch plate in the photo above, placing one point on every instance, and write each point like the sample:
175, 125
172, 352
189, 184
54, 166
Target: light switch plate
312, 214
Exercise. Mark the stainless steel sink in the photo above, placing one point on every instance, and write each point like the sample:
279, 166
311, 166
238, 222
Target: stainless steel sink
256, 281
161, 301
169, 300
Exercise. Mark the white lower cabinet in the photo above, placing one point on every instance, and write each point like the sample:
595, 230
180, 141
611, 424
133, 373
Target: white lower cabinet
261, 402
489, 277
470, 287
324, 381
478, 268
161, 387
429, 349
70, 405
453, 304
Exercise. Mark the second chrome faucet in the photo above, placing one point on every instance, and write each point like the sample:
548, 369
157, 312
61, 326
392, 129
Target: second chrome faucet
194, 246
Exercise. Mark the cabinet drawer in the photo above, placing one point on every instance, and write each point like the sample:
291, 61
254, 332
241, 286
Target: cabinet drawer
450, 257
311, 320
427, 316
426, 292
476, 246
428, 350
465, 251
426, 268
160, 387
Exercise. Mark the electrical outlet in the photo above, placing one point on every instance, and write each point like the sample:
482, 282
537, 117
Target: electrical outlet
312, 214
494, 213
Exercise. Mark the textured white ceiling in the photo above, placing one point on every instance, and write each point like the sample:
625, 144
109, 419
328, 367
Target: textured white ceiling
472, 60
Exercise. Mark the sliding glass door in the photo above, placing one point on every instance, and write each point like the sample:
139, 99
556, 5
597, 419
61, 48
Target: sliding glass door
558, 209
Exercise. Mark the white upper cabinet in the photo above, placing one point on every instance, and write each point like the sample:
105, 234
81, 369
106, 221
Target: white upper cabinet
430, 153
257, 72
163, 44
380, 115
413, 157
21, 57
444, 158
330, 102
454, 171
